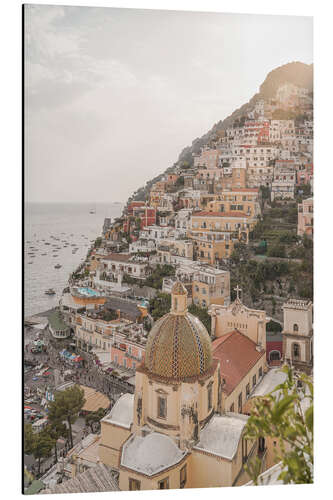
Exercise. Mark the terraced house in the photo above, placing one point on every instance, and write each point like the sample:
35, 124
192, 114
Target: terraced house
120, 263
236, 200
214, 233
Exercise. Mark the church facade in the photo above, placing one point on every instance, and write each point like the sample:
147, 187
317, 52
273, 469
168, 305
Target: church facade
174, 431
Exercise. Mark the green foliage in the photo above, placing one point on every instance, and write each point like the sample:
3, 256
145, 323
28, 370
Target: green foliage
286, 414
202, 314
94, 417
66, 407
129, 280
155, 280
160, 305
277, 251
305, 188
265, 192
38, 444
273, 326
98, 242
180, 182
55, 430
287, 237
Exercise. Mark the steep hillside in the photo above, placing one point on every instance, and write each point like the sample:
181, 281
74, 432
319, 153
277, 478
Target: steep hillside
298, 73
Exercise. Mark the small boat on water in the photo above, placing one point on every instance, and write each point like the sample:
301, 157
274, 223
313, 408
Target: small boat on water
57, 266
44, 254
30, 262
50, 291
55, 255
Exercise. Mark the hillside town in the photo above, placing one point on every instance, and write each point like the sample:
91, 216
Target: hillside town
188, 309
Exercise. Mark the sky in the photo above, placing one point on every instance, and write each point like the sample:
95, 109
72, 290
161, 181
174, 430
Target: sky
112, 96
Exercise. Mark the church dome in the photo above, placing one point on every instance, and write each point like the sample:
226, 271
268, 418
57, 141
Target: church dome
178, 346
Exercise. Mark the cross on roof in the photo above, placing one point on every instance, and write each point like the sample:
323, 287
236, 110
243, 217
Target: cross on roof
237, 290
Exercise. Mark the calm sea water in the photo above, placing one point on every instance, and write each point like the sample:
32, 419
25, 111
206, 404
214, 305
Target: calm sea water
73, 225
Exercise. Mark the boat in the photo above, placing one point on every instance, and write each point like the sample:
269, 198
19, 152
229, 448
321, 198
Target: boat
57, 266
50, 291
44, 254
30, 262
55, 255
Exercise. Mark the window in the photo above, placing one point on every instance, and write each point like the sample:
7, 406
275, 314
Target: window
260, 372
209, 397
247, 390
232, 408
296, 350
183, 476
254, 380
124, 362
134, 484
295, 327
163, 484
240, 403
161, 407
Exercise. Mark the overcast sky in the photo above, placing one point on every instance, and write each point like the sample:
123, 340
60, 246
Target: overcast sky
113, 95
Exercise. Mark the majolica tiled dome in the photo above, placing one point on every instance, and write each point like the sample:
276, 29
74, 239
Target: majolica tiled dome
178, 346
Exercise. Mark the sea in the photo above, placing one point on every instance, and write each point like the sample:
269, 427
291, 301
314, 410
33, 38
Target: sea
51, 233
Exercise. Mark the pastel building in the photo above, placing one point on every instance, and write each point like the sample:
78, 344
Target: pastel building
305, 218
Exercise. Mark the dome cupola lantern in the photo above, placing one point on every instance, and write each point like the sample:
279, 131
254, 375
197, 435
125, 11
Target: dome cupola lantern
178, 298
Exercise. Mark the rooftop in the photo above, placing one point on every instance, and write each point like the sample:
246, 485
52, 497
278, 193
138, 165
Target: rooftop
237, 355
94, 479
56, 321
150, 454
302, 305
269, 382
222, 434
120, 257
122, 411
94, 399
128, 309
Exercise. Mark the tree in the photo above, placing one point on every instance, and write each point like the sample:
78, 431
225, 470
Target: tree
160, 305
38, 444
286, 414
277, 250
56, 430
94, 417
66, 407
98, 242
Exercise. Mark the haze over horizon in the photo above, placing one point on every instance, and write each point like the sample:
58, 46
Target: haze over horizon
113, 95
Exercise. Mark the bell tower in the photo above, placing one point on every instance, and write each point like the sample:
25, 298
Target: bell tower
298, 334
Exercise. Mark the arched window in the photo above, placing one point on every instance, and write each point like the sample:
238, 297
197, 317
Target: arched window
295, 327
